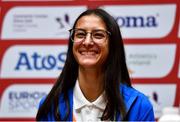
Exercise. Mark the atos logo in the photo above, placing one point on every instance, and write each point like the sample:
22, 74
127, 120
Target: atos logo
33, 61
39, 62
137, 21
24, 100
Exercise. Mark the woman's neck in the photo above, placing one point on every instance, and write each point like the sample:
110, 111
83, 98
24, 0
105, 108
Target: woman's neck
91, 83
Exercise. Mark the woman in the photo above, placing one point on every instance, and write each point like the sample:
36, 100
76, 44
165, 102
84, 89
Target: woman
94, 83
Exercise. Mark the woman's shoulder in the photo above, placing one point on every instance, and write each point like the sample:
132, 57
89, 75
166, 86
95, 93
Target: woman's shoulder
129, 91
130, 95
136, 102
42, 101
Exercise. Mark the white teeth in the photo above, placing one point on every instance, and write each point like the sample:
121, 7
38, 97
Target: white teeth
88, 53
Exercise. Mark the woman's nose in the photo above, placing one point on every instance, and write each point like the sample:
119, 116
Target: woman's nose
88, 40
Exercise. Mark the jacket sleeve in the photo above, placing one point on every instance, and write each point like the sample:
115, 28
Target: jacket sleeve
146, 110
138, 105
141, 109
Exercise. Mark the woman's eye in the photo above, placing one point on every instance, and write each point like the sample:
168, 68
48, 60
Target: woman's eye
98, 35
80, 35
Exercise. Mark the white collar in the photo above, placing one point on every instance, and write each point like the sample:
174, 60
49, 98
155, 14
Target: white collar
80, 101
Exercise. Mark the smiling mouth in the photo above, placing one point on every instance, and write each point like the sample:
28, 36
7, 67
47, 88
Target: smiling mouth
94, 52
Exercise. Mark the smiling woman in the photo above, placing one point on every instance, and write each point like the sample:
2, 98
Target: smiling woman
94, 84
90, 47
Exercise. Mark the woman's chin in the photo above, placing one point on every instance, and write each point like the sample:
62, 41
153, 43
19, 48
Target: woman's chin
88, 65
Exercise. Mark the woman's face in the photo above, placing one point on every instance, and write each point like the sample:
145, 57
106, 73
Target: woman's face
88, 53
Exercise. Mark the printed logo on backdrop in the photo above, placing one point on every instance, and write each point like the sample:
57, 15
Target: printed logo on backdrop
147, 21
150, 61
39, 22
158, 95
33, 61
22, 100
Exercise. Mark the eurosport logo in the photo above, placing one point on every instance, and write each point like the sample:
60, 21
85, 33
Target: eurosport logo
33, 61
158, 95
144, 21
39, 22
150, 61
22, 100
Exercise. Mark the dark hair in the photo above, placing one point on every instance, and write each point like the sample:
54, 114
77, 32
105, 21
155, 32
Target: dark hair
115, 73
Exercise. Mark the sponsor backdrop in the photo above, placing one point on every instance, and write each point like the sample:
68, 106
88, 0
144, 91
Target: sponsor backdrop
33, 46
